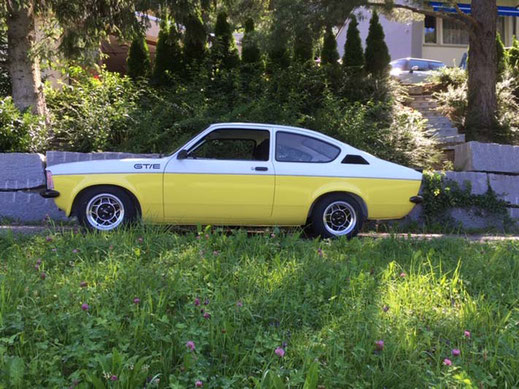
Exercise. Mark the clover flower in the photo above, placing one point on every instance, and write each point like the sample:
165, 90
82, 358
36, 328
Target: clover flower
197, 302
379, 345
190, 345
239, 304
136, 300
85, 307
43, 276
279, 352
456, 352
467, 334
199, 384
447, 362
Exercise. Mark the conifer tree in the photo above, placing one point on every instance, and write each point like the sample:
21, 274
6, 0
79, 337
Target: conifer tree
353, 52
329, 55
303, 45
501, 56
195, 39
138, 58
168, 57
377, 54
251, 52
223, 52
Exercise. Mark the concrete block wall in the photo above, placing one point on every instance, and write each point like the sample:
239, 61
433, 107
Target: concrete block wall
22, 177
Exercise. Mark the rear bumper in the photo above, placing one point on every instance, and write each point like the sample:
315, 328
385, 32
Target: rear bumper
416, 199
49, 193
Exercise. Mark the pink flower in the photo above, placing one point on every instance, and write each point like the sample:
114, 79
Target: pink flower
467, 334
403, 275
48, 239
113, 378
206, 302
456, 352
207, 315
75, 251
280, 352
43, 276
379, 345
38, 261
447, 362
197, 302
140, 240
272, 235
136, 300
85, 307
83, 284
216, 252
199, 384
385, 308
190, 345
239, 304
37, 267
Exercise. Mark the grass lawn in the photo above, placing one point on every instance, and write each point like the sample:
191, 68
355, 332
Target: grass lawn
150, 308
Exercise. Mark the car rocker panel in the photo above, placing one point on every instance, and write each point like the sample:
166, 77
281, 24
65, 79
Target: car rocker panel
185, 189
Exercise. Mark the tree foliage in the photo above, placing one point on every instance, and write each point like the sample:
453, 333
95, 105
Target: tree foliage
195, 38
353, 51
377, 54
138, 58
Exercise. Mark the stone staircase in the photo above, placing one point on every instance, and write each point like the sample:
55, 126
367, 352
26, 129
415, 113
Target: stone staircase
438, 126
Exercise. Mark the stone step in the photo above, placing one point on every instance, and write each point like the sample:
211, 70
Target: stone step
424, 105
422, 98
451, 140
438, 119
439, 124
415, 90
443, 132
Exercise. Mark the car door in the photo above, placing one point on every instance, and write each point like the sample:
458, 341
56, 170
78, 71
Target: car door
227, 177
419, 71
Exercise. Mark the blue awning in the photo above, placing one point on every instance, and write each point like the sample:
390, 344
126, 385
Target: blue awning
501, 10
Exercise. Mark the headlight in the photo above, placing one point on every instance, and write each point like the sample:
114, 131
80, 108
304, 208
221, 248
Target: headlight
50, 182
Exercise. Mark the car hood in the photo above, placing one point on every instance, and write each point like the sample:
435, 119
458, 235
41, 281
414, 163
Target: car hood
113, 166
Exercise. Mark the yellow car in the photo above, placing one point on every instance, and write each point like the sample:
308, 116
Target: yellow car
240, 174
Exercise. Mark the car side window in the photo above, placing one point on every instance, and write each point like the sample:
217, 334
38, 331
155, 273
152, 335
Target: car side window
422, 65
292, 147
233, 144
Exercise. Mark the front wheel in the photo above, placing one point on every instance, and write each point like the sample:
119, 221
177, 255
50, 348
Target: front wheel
337, 215
105, 208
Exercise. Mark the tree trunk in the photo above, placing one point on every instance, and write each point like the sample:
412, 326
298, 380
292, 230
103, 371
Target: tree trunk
24, 67
481, 119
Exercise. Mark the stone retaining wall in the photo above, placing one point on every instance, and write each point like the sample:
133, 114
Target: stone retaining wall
22, 177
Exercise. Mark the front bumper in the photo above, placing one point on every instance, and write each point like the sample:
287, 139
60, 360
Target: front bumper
416, 199
49, 193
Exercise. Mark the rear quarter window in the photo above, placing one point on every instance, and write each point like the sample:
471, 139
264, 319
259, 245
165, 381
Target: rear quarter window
292, 147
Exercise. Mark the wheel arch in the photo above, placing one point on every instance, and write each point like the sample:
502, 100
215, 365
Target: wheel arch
357, 198
132, 196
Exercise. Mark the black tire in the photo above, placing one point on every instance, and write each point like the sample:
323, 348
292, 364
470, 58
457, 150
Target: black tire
112, 203
346, 206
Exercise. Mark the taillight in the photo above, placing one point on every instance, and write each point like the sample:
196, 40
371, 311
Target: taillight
50, 182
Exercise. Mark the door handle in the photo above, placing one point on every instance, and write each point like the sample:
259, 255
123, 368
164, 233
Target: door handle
261, 168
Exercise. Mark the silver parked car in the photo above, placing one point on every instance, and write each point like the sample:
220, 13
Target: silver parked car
414, 70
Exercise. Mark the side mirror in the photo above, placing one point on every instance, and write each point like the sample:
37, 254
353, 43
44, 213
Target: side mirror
414, 69
182, 154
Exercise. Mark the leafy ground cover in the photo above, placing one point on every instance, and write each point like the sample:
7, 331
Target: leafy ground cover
149, 308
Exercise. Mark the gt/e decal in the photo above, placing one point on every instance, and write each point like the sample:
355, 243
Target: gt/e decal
148, 166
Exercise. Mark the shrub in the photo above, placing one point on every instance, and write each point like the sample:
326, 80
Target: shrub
377, 54
93, 113
446, 76
502, 61
20, 132
138, 58
353, 52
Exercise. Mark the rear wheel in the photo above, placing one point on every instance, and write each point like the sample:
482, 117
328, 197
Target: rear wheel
337, 215
105, 208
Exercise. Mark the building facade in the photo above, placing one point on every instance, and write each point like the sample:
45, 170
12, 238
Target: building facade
434, 38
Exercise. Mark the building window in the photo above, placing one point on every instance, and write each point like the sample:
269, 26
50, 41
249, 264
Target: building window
430, 29
454, 33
